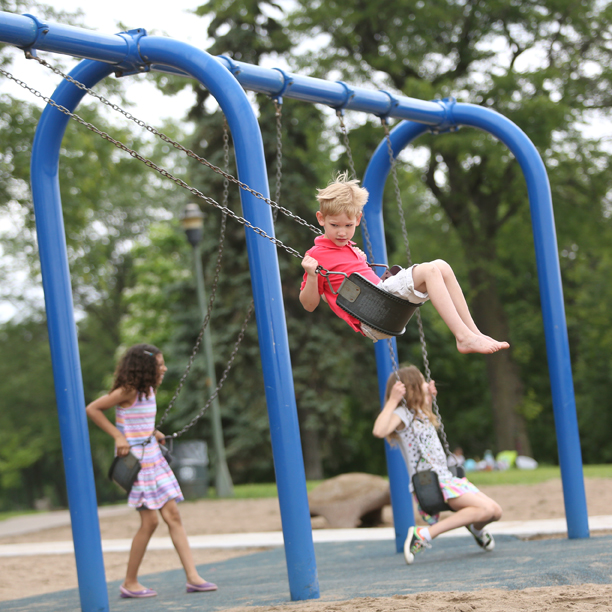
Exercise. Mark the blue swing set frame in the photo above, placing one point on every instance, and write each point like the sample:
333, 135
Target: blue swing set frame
135, 52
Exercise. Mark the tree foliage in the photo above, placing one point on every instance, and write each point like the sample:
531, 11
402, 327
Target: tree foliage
544, 65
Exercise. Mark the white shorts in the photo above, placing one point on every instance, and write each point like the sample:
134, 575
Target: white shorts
402, 285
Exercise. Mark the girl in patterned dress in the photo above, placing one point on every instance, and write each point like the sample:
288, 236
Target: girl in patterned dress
137, 377
413, 426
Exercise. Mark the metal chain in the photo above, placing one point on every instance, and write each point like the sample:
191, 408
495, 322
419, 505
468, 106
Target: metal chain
279, 153
228, 367
224, 208
167, 174
230, 362
349, 153
215, 283
170, 141
225, 199
400, 208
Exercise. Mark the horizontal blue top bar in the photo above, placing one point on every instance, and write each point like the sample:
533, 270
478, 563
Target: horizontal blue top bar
27, 32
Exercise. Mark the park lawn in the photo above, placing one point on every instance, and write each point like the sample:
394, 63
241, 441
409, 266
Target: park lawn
506, 477
509, 477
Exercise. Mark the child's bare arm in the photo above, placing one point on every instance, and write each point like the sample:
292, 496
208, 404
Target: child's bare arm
387, 421
95, 411
309, 295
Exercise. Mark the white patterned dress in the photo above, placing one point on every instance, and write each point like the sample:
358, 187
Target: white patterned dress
156, 484
422, 450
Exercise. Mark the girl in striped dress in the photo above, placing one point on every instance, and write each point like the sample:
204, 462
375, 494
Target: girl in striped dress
413, 427
137, 377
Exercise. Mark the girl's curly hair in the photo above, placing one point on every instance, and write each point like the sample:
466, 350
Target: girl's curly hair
137, 369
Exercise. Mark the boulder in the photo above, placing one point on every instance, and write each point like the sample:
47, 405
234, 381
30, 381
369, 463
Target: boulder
350, 500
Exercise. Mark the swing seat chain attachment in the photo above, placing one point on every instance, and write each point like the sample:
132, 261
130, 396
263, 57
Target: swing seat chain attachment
428, 492
124, 471
371, 304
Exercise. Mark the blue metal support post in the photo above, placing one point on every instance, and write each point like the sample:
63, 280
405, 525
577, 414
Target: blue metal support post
291, 481
63, 341
549, 274
374, 181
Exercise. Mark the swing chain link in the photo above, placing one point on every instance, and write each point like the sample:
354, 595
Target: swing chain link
228, 367
165, 173
215, 284
225, 199
279, 153
402, 217
349, 153
167, 139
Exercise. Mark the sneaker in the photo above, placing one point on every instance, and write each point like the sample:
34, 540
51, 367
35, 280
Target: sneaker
484, 540
414, 544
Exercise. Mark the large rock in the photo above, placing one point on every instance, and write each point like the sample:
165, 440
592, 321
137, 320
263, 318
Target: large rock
351, 500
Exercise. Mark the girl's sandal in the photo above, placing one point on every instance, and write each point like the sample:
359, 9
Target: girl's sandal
200, 588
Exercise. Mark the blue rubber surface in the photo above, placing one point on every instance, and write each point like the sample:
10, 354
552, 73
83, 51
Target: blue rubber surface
364, 569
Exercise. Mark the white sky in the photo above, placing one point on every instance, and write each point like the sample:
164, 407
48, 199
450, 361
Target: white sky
171, 19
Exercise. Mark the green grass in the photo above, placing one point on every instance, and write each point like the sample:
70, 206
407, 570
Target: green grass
12, 513
508, 477
253, 491
541, 474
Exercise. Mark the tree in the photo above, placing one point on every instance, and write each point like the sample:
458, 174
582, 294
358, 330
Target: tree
544, 65
108, 201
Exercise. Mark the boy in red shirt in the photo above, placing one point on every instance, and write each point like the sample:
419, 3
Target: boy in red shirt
340, 211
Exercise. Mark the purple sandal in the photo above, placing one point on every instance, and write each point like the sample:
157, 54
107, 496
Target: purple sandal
136, 594
199, 588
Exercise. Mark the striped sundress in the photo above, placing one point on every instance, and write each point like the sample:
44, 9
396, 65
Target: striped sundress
156, 483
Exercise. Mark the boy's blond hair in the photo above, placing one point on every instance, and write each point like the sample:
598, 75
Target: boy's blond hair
342, 196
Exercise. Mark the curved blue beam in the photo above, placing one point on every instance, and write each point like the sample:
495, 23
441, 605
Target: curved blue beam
549, 275
27, 32
553, 310
63, 339
269, 308
374, 181
272, 329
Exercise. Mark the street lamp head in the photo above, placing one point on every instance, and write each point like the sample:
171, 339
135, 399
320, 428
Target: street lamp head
192, 221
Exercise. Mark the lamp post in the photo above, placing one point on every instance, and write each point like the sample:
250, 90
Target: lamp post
192, 220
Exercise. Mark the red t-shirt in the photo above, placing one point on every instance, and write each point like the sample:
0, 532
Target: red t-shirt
339, 259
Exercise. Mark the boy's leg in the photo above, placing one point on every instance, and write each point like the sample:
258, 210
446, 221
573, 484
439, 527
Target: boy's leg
148, 524
429, 278
456, 294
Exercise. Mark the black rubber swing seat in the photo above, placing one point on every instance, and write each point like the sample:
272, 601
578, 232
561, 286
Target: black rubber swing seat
374, 306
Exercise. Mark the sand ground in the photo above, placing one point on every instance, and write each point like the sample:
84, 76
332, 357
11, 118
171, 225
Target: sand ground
27, 576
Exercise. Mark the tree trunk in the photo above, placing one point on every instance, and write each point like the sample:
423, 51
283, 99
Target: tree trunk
503, 373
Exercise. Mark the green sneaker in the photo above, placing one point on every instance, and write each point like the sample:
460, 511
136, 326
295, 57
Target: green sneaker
414, 544
484, 540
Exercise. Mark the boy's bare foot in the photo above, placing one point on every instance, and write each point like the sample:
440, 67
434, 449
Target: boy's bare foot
480, 344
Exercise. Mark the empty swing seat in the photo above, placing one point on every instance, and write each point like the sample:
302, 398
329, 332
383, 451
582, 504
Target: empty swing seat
374, 306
